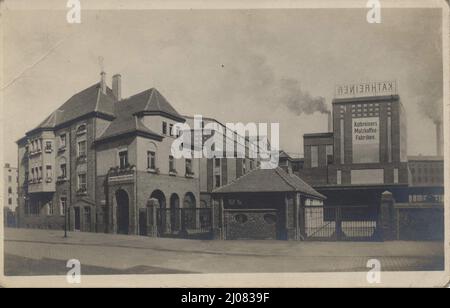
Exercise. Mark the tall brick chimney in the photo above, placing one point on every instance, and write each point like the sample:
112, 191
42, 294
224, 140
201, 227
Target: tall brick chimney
117, 86
439, 138
103, 82
330, 121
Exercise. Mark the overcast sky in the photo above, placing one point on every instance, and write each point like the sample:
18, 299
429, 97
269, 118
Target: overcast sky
231, 65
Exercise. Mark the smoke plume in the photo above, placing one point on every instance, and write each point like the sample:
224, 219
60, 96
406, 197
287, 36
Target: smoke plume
299, 101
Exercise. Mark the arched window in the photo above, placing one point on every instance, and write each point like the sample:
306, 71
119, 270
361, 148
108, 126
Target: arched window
81, 129
62, 168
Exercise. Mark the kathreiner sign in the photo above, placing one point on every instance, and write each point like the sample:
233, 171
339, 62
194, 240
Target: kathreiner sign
364, 89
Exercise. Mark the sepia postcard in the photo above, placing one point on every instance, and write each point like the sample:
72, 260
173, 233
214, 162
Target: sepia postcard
204, 144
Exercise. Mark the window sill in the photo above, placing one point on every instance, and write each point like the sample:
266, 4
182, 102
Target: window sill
190, 175
154, 171
173, 173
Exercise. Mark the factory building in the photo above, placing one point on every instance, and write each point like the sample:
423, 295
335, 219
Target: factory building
364, 152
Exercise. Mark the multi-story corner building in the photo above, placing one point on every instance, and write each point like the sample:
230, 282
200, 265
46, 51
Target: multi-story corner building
96, 161
10, 178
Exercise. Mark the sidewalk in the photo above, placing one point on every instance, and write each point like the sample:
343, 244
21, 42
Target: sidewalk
123, 252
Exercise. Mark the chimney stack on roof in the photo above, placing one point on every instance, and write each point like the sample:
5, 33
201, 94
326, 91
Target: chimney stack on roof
117, 86
330, 122
103, 82
439, 139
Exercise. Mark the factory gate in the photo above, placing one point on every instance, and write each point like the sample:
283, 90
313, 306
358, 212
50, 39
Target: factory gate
341, 223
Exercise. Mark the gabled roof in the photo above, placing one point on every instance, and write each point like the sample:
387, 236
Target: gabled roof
152, 102
283, 154
82, 103
125, 124
124, 115
269, 180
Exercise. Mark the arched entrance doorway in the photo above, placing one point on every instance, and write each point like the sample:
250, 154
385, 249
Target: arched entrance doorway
159, 195
175, 213
122, 212
191, 215
162, 220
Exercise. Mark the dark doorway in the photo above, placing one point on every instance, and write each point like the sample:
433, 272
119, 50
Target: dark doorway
77, 218
123, 215
175, 213
142, 222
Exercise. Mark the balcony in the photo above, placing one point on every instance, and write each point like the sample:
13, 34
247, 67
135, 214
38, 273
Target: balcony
117, 174
81, 158
82, 191
39, 185
61, 178
34, 152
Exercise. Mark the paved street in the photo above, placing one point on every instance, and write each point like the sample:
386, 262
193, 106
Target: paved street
43, 252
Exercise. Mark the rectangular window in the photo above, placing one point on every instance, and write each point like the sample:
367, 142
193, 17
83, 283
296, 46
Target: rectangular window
341, 127
171, 130
40, 172
48, 146
339, 177
171, 164
10, 201
244, 166
217, 180
82, 148
314, 156
329, 154
164, 128
82, 182
63, 171
62, 206
389, 140
9, 178
62, 141
189, 167
48, 172
217, 162
151, 160
123, 159
395, 175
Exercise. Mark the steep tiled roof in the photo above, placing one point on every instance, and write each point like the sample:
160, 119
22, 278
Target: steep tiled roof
84, 102
151, 102
269, 180
127, 112
124, 114
126, 123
